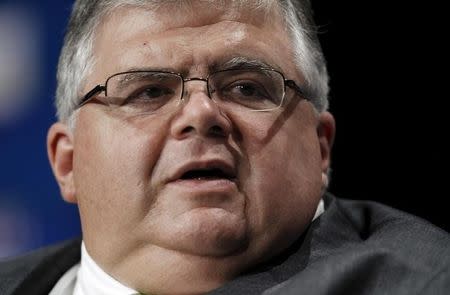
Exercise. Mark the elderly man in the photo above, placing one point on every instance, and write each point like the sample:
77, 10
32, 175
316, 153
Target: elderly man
194, 138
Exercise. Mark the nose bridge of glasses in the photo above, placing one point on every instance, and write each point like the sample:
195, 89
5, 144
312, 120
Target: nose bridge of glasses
198, 88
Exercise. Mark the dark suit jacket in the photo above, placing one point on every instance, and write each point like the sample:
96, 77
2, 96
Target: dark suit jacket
354, 247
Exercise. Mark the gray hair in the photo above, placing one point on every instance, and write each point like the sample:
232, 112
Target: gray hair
77, 60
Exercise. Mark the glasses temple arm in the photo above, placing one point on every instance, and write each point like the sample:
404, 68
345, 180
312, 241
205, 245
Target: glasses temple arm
96, 90
293, 85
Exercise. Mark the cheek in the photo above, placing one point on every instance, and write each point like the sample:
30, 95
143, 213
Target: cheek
112, 164
283, 184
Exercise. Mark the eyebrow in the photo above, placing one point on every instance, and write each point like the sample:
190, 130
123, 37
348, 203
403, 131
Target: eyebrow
135, 73
150, 69
242, 62
236, 62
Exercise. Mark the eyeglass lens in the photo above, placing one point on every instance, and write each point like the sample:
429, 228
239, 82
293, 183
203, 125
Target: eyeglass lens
159, 92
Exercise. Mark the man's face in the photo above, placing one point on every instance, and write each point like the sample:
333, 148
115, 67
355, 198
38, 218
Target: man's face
140, 206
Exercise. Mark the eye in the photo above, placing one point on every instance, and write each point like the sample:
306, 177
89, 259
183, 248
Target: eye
245, 90
149, 93
148, 99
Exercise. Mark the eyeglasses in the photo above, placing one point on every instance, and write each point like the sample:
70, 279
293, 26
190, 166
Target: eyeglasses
158, 92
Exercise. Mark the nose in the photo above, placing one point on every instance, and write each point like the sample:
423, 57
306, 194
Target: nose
199, 115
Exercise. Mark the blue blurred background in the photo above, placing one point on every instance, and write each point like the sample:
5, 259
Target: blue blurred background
32, 213
385, 96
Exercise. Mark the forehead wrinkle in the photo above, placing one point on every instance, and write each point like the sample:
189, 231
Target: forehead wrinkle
181, 54
189, 53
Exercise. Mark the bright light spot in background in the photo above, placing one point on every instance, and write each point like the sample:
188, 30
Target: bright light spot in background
20, 230
20, 62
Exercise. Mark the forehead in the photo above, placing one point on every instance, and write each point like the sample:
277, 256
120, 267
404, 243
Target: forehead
180, 37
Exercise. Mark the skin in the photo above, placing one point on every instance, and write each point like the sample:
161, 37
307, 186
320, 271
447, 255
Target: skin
162, 236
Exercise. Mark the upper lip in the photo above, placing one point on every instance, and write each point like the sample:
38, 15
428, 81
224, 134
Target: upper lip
226, 167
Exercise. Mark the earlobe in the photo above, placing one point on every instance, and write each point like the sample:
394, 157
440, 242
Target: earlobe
326, 131
60, 153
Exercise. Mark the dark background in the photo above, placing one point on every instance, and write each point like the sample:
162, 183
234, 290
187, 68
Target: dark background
388, 93
388, 97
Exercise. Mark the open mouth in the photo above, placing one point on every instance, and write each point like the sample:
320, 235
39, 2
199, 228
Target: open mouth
206, 174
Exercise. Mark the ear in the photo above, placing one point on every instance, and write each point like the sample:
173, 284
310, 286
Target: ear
326, 131
60, 154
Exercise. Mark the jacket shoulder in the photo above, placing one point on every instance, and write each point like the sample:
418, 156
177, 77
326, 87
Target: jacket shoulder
371, 248
375, 222
38, 271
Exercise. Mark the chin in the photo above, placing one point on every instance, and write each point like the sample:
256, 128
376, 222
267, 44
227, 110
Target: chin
212, 232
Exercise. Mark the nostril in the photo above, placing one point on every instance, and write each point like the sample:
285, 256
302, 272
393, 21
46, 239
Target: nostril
216, 131
188, 129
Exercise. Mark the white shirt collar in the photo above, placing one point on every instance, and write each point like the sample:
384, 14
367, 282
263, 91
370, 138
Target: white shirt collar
320, 209
92, 280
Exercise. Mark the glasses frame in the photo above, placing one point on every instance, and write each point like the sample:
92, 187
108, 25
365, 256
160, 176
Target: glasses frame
287, 83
